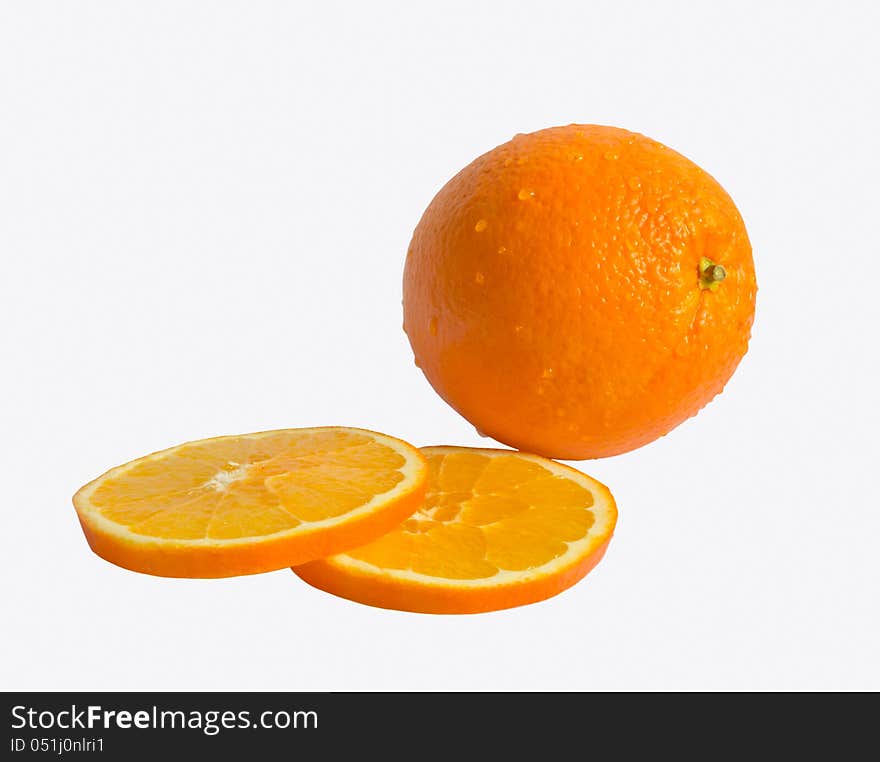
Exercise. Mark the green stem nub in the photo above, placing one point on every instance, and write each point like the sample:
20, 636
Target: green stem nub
711, 274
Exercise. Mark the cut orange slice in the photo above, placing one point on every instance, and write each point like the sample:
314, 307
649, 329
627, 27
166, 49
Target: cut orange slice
251, 503
498, 529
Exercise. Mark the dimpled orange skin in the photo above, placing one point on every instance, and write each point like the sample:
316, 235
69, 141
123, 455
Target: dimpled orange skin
553, 292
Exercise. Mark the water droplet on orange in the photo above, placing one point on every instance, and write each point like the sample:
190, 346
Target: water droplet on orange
525, 194
634, 183
481, 226
502, 249
480, 278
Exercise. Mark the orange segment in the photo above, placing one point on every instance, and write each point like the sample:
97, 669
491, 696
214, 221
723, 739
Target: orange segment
497, 529
251, 503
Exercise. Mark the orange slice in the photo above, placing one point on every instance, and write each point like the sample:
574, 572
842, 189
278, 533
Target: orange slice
252, 503
497, 529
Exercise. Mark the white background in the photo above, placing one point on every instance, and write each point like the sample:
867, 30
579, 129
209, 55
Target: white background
204, 211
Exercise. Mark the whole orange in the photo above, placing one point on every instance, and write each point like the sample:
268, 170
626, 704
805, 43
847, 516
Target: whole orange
579, 291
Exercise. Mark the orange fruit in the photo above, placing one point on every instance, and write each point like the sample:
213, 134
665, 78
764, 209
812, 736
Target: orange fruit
497, 529
252, 503
579, 291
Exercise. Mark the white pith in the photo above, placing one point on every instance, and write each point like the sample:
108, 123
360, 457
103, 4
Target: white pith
222, 479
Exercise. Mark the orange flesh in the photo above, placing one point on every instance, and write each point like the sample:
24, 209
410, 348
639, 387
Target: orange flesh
483, 515
497, 529
246, 488
179, 512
